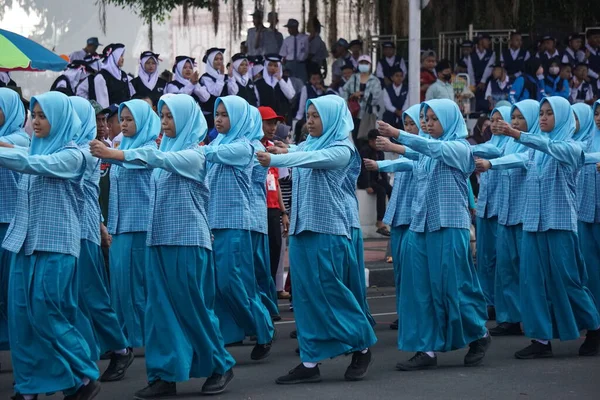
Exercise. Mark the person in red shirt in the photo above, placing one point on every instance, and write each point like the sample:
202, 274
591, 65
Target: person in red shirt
276, 212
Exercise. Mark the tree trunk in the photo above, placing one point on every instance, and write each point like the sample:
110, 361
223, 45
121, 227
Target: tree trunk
332, 23
151, 35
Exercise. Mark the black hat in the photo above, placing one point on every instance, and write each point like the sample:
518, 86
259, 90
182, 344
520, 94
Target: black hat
93, 41
442, 65
210, 51
149, 54
388, 45
497, 65
256, 59
347, 65
356, 42
591, 32
113, 109
273, 57
239, 56
395, 69
466, 44
574, 36
342, 42
548, 37
291, 23
258, 13
108, 50
179, 59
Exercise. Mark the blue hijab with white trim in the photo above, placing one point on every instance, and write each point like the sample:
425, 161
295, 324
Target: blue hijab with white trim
146, 121
336, 119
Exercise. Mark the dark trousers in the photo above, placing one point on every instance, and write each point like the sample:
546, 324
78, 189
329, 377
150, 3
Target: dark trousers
274, 226
383, 190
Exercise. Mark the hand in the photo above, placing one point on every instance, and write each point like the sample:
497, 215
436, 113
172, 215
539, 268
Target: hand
371, 165
106, 238
503, 128
387, 130
383, 144
285, 221
99, 149
482, 165
598, 167
264, 158
222, 69
399, 113
481, 86
370, 190
473, 212
230, 71
356, 95
280, 144
277, 150
195, 77
6, 145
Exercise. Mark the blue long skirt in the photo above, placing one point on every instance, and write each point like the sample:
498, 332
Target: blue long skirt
5, 261
262, 271
356, 280
589, 241
183, 339
398, 235
330, 320
486, 256
442, 307
507, 295
238, 306
127, 263
94, 300
48, 353
554, 301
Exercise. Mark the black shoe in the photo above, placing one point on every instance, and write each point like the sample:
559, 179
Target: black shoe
394, 325
106, 356
217, 383
117, 367
507, 329
535, 350
275, 318
294, 334
252, 338
359, 366
156, 390
477, 351
298, 350
300, 374
591, 345
261, 351
87, 392
491, 311
419, 361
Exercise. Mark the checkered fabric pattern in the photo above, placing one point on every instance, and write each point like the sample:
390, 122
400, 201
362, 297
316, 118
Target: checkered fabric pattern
47, 216
489, 194
350, 189
91, 216
258, 194
8, 194
399, 210
588, 194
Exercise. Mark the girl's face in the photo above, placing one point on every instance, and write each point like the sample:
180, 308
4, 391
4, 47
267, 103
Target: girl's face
597, 117
434, 127
167, 122
496, 117
429, 63
577, 126
410, 126
518, 121
218, 62
314, 124
422, 121
222, 123
2, 118
121, 61
243, 69
150, 66
273, 68
41, 125
546, 118
128, 126
188, 70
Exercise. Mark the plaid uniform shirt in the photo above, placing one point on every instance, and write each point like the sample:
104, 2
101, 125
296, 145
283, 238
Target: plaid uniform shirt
91, 216
350, 189
258, 194
489, 194
588, 194
9, 180
399, 210
47, 216
512, 196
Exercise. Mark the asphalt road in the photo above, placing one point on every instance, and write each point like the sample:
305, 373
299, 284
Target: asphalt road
501, 377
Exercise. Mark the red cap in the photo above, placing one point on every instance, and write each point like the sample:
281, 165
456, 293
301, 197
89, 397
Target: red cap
267, 113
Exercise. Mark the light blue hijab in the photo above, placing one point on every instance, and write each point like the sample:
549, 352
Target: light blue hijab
585, 116
531, 112
87, 116
564, 125
14, 112
336, 119
594, 141
240, 119
257, 128
190, 124
64, 123
450, 118
146, 121
505, 112
413, 113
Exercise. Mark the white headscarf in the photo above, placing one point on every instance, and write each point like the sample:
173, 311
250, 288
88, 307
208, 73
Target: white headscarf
270, 79
148, 80
110, 63
75, 75
243, 79
179, 71
209, 66
257, 69
4, 77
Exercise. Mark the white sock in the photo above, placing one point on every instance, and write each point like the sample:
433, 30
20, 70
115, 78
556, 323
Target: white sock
85, 381
309, 364
29, 396
486, 334
544, 342
430, 353
121, 352
365, 351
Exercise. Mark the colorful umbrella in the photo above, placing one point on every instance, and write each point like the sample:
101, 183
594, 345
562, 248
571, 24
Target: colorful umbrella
18, 53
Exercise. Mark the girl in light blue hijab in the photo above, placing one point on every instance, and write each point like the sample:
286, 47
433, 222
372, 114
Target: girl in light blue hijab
182, 333
128, 215
12, 119
238, 303
487, 209
442, 305
588, 199
554, 300
330, 319
511, 197
49, 354
99, 325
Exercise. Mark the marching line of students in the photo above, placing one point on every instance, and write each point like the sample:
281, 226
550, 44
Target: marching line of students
541, 278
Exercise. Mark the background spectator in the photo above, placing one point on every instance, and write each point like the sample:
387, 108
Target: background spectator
91, 47
261, 40
428, 76
442, 88
317, 50
295, 50
395, 98
273, 18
